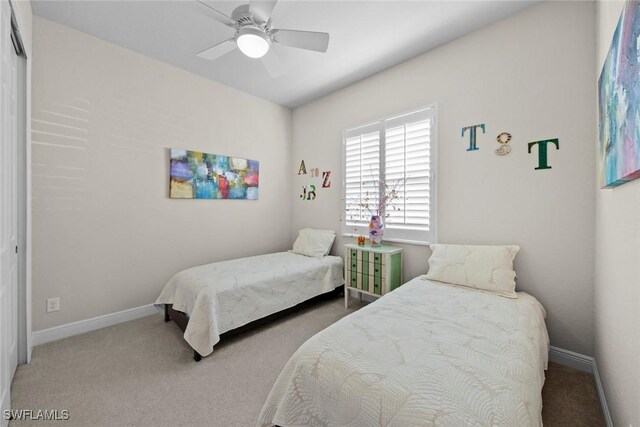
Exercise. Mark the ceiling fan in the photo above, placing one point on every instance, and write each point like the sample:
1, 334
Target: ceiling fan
254, 34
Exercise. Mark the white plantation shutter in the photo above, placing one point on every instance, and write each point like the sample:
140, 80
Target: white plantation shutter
362, 173
400, 150
408, 168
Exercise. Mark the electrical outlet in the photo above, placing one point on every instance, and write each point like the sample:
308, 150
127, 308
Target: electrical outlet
53, 304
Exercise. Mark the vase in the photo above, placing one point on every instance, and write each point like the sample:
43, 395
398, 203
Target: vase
376, 229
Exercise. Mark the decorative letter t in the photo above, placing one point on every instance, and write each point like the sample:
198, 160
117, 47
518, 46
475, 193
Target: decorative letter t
472, 135
542, 151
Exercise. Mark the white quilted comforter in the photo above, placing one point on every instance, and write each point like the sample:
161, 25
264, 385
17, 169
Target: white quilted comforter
225, 295
426, 354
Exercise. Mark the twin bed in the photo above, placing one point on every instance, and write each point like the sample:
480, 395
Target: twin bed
212, 299
425, 354
456, 347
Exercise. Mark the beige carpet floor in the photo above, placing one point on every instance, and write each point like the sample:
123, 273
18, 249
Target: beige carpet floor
142, 373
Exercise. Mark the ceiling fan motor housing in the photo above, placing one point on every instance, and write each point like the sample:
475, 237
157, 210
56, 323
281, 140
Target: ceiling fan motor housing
243, 17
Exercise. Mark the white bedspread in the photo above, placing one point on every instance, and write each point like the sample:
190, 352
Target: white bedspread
425, 354
224, 295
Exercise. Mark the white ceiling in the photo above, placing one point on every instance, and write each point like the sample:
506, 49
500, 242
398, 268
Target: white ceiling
366, 37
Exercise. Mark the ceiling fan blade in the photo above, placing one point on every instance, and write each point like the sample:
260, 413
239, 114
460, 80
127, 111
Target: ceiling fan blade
261, 9
273, 64
216, 14
215, 52
309, 40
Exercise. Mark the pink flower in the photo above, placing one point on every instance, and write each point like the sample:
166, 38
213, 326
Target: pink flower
252, 180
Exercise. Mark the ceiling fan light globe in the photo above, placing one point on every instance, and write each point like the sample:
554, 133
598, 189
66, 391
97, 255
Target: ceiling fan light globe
253, 45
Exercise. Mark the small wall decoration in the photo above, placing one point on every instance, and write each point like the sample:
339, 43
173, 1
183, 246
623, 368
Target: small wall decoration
302, 170
619, 95
309, 190
472, 135
503, 139
325, 179
542, 151
308, 194
196, 175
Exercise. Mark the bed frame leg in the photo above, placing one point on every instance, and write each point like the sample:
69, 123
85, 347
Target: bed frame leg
196, 356
167, 318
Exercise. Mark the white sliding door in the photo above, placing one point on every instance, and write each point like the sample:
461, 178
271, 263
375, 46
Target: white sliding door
8, 209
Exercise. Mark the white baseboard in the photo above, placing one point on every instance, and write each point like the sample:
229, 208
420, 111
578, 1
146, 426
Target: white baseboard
586, 364
83, 326
601, 396
571, 359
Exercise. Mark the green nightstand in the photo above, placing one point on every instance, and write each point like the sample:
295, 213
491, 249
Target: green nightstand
371, 270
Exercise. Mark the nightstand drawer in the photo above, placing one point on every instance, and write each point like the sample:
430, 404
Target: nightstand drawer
365, 282
376, 270
377, 284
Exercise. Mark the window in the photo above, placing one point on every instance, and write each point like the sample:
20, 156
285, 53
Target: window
395, 154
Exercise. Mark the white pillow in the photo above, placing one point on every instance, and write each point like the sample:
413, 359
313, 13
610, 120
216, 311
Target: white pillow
486, 268
314, 243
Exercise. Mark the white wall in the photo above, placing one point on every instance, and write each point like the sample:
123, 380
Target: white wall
531, 75
106, 235
617, 271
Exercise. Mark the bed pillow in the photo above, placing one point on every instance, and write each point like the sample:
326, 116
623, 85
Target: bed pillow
486, 268
314, 243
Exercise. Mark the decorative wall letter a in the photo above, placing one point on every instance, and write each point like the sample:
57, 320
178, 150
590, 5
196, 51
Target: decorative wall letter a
542, 151
472, 135
303, 169
325, 179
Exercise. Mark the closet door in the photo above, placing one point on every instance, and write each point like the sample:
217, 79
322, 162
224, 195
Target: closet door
8, 209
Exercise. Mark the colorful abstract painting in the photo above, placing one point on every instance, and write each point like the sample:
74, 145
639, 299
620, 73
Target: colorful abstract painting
196, 175
619, 88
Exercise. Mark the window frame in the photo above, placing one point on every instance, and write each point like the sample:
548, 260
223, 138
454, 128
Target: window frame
353, 231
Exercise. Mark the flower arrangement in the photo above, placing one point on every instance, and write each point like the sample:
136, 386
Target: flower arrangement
370, 201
